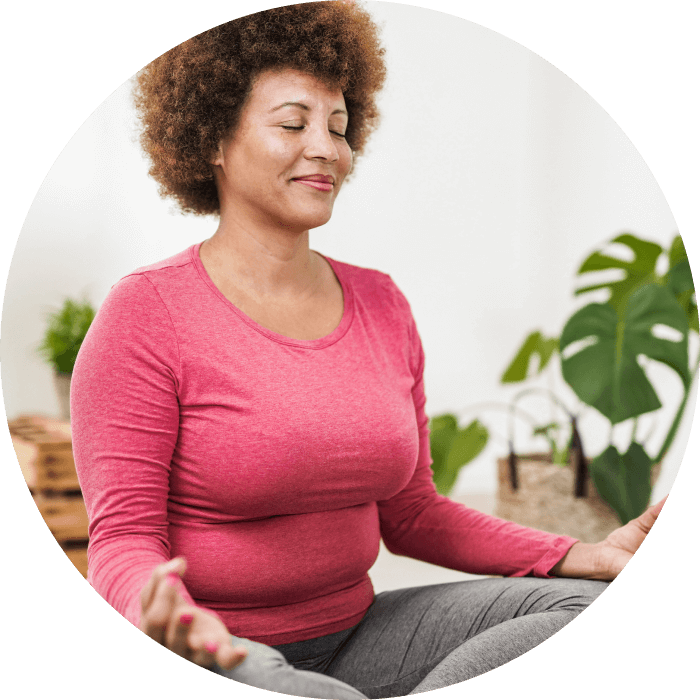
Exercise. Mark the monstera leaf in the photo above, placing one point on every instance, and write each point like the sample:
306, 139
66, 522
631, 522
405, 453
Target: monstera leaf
603, 367
639, 271
624, 481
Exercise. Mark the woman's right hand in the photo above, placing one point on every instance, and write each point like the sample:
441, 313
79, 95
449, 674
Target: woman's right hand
191, 632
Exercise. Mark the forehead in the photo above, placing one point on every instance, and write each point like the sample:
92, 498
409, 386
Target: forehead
275, 87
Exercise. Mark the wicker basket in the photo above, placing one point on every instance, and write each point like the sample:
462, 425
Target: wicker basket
545, 499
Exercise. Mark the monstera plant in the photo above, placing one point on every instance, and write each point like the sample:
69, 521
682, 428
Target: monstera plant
602, 349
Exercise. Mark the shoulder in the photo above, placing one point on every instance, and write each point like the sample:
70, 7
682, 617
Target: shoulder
373, 287
177, 265
140, 298
173, 263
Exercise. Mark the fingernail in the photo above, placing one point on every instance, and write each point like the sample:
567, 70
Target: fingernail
211, 647
186, 618
173, 579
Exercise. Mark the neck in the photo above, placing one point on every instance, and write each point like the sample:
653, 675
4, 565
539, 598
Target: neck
265, 260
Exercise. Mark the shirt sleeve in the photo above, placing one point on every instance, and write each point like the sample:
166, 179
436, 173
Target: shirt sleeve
422, 524
124, 420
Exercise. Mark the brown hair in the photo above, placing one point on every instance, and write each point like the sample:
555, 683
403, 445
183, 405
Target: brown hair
189, 98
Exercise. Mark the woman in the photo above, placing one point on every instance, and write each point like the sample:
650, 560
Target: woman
248, 416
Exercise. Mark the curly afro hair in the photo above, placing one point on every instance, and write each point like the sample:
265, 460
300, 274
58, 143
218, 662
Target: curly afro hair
189, 98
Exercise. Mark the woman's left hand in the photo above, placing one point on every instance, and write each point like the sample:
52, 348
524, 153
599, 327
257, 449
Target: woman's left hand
619, 546
604, 560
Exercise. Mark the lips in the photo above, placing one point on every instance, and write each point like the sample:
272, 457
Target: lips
323, 183
317, 178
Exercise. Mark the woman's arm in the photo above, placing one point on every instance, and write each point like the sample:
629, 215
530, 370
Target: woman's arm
124, 420
420, 523
582, 561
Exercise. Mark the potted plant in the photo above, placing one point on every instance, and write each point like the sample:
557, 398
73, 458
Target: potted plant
646, 314
65, 332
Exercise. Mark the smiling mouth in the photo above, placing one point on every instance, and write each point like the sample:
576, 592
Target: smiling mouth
322, 186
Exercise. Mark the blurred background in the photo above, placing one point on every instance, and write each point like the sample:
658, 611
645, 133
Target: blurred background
490, 179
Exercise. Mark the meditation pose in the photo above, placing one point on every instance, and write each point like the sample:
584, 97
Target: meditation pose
249, 415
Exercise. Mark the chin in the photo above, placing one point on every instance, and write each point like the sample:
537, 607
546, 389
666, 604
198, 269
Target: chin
309, 219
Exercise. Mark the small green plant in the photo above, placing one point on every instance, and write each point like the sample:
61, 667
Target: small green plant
65, 333
550, 432
452, 447
647, 315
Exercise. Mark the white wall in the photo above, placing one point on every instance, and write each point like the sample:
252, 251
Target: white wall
490, 179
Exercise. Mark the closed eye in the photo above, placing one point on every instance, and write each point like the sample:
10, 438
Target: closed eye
300, 128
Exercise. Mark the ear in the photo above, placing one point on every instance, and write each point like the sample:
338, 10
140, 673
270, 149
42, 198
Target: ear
217, 157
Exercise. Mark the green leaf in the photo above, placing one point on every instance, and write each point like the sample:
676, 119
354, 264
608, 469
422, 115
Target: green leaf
560, 455
467, 445
676, 252
546, 430
442, 432
535, 344
451, 448
679, 280
605, 372
65, 333
624, 481
640, 271
685, 297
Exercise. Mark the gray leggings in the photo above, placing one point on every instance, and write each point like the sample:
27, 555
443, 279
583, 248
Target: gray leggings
419, 639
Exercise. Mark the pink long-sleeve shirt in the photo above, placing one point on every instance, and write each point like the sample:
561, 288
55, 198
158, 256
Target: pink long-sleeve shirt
273, 465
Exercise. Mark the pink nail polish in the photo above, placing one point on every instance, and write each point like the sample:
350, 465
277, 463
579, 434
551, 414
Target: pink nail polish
173, 579
186, 618
211, 647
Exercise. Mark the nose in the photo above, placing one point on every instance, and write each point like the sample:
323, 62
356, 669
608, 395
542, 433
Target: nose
320, 144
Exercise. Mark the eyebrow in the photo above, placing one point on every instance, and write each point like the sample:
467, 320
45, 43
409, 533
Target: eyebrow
305, 107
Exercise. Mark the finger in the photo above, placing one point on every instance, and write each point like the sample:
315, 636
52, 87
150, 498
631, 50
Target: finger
178, 640
155, 619
229, 656
224, 655
177, 565
205, 655
647, 519
660, 504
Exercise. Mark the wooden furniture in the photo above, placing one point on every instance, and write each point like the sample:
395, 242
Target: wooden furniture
44, 451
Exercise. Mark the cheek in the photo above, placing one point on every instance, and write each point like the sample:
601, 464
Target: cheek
345, 159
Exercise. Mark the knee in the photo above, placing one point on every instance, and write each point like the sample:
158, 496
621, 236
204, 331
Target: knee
266, 668
262, 662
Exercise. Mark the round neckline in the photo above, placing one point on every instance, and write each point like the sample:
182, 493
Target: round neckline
316, 344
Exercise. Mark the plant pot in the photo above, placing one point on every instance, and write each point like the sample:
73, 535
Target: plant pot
62, 383
545, 500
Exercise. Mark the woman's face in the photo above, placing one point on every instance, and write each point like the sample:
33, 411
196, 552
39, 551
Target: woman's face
285, 162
